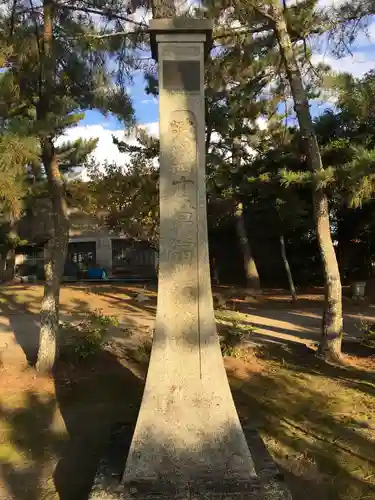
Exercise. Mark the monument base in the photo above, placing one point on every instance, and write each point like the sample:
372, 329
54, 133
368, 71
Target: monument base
268, 485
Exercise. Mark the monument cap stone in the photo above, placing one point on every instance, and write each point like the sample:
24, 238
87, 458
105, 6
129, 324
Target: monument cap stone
181, 26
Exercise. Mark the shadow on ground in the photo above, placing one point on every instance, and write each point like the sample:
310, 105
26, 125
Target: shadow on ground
55, 441
91, 400
317, 419
51, 442
23, 324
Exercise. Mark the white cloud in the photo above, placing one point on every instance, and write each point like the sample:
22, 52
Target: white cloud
362, 59
105, 150
152, 128
358, 64
262, 122
330, 3
141, 15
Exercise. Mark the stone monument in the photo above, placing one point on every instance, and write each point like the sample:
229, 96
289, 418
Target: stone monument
188, 428
188, 441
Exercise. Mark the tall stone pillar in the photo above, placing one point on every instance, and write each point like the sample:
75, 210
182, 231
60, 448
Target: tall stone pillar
188, 443
188, 430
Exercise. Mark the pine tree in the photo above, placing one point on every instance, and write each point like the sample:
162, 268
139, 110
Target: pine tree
285, 28
330, 345
282, 211
16, 151
128, 196
58, 63
235, 81
347, 138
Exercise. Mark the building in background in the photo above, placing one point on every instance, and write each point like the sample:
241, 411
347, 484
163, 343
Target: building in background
91, 244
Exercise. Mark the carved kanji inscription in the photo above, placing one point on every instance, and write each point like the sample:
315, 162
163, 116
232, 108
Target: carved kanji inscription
183, 154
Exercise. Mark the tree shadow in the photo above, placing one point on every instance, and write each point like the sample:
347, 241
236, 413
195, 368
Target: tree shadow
319, 454
30, 444
24, 324
130, 304
301, 359
303, 325
92, 398
69, 428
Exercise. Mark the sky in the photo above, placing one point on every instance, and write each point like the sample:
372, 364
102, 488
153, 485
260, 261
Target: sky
95, 125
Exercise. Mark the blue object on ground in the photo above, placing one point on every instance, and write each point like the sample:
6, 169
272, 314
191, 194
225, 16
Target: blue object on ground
96, 273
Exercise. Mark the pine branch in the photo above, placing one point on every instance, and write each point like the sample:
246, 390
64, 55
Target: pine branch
103, 13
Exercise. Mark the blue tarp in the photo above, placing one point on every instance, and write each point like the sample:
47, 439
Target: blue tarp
96, 273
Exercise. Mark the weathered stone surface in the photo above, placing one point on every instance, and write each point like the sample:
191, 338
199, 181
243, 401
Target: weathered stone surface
180, 28
188, 442
188, 427
267, 485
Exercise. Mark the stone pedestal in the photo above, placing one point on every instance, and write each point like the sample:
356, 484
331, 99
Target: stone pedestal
267, 485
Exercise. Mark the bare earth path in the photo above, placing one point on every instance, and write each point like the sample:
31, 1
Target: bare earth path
274, 317
303, 325
318, 421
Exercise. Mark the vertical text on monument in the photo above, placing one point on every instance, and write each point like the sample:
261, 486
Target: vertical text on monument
183, 184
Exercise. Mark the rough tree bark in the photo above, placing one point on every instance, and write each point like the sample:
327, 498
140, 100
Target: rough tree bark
55, 252
288, 271
7, 259
54, 261
8, 255
332, 324
251, 271
163, 9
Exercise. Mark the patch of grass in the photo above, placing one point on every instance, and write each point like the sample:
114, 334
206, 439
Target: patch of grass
318, 421
142, 353
368, 333
233, 329
85, 337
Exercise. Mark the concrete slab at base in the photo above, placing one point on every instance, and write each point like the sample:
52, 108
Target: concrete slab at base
267, 485
250, 490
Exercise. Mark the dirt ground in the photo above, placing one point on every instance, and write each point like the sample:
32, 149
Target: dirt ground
318, 421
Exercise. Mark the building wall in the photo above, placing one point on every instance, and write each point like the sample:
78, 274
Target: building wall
85, 228
104, 253
139, 259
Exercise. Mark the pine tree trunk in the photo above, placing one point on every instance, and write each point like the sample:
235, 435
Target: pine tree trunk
10, 262
330, 344
57, 246
251, 271
55, 256
214, 271
49, 314
163, 9
288, 271
10, 252
3, 261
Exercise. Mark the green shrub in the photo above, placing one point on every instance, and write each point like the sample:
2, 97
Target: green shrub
232, 331
230, 338
143, 351
85, 337
368, 333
